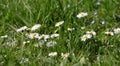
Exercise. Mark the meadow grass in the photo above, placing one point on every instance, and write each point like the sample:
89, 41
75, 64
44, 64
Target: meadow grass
17, 49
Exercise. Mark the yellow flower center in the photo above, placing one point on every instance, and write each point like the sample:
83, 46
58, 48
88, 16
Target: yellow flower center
84, 36
90, 32
109, 33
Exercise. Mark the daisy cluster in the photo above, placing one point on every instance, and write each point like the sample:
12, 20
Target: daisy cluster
90, 34
59, 32
63, 55
43, 38
48, 39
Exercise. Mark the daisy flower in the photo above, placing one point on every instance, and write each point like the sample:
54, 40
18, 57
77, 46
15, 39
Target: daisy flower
82, 14
51, 43
59, 23
45, 37
93, 22
33, 35
82, 28
98, 3
54, 35
25, 42
109, 33
103, 22
24, 60
95, 13
22, 29
85, 37
91, 32
70, 29
40, 37
52, 54
64, 56
5, 36
35, 27
117, 30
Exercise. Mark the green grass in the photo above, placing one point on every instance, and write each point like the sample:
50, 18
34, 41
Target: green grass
101, 50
